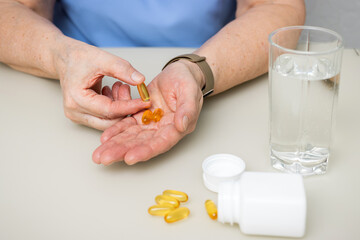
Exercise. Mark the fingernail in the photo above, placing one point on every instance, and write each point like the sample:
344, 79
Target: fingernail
185, 122
129, 160
104, 139
137, 77
106, 161
96, 158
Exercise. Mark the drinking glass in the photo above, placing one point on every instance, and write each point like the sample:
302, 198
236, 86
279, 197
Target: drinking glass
304, 77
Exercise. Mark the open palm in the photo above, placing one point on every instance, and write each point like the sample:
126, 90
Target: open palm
177, 93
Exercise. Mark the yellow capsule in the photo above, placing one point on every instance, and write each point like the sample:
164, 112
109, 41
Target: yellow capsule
177, 214
158, 114
144, 94
181, 196
164, 199
160, 209
147, 117
211, 209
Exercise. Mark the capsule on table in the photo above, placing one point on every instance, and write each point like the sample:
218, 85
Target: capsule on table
164, 199
143, 92
177, 214
147, 117
158, 114
180, 196
160, 209
211, 209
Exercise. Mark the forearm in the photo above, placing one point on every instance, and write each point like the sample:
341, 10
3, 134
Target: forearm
239, 52
28, 41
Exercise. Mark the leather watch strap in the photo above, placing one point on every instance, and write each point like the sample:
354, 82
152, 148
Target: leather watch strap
204, 67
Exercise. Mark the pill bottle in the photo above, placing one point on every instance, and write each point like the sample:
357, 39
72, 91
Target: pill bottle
261, 203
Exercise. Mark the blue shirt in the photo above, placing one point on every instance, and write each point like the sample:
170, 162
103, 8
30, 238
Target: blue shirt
157, 23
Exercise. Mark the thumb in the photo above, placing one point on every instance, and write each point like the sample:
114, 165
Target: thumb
121, 69
187, 114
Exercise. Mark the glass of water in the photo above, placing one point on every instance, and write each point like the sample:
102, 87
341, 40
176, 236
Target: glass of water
304, 77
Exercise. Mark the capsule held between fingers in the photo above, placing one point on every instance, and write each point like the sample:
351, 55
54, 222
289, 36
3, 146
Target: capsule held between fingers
144, 93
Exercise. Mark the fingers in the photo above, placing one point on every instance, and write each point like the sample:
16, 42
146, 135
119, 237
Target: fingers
102, 155
91, 121
153, 146
114, 91
135, 144
81, 78
113, 103
104, 107
121, 91
114, 149
101, 112
117, 128
107, 92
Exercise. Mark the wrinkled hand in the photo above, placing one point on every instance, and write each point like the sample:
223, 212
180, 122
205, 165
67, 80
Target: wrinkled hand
81, 68
177, 91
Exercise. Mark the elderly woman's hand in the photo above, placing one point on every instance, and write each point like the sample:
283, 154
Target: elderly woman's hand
81, 68
176, 90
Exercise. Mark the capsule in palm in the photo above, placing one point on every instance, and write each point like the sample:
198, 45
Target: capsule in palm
147, 117
158, 114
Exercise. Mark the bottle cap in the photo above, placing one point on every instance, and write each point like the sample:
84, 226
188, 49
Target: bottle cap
220, 168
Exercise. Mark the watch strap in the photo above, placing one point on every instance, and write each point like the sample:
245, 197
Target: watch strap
204, 67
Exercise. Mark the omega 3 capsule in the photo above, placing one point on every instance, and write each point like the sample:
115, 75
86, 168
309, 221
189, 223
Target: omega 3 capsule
211, 209
144, 94
160, 209
181, 196
158, 114
177, 214
147, 117
164, 199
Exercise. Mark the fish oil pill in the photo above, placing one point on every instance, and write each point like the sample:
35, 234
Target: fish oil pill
147, 117
211, 209
181, 196
143, 92
177, 214
164, 199
160, 209
158, 114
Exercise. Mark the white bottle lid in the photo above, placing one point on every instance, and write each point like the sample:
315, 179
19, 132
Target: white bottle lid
221, 168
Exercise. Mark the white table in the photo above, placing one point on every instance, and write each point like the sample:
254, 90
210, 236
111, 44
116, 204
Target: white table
51, 189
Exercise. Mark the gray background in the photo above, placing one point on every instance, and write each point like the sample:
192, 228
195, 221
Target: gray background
342, 16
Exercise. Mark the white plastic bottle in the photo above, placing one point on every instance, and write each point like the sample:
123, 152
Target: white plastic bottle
262, 203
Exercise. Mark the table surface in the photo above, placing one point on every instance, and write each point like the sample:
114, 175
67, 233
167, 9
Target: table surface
51, 189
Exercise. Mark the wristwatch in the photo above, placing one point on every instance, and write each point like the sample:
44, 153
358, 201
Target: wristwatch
204, 67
